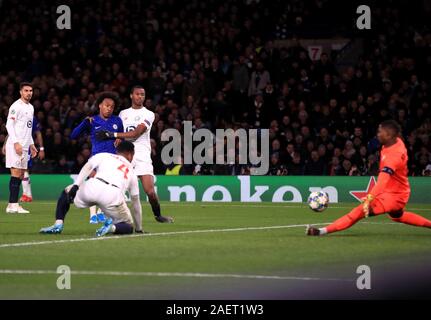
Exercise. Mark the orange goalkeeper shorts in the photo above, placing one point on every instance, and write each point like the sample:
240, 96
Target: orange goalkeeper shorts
388, 202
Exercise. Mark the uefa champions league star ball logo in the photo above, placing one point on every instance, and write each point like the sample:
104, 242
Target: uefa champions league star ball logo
137, 118
115, 126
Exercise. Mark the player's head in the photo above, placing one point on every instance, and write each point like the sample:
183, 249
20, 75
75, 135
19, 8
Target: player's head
137, 95
26, 91
107, 101
388, 131
126, 149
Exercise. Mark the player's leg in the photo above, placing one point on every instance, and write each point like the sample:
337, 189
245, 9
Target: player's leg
119, 220
93, 215
26, 187
348, 220
26, 184
14, 188
100, 216
410, 218
81, 201
17, 164
63, 206
148, 185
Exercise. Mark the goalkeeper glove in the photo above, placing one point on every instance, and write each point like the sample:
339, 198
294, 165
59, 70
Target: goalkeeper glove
366, 204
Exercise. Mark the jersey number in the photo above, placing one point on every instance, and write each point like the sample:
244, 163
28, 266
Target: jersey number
124, 169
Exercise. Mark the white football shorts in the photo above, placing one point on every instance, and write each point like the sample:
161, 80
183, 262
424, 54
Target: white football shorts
13, 160
108, 198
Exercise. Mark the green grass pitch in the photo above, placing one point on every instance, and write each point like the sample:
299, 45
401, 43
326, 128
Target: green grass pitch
213, 250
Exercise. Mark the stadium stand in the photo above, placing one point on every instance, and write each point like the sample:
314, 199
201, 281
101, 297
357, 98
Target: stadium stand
231, 64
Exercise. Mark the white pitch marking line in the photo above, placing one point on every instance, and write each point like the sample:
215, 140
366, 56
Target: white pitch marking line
37, 243
172, 274
244, 205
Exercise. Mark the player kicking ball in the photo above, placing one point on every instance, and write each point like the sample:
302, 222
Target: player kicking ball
114, 175
391, 193
137, 121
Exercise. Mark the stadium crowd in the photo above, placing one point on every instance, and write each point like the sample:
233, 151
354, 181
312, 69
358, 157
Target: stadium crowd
217, 65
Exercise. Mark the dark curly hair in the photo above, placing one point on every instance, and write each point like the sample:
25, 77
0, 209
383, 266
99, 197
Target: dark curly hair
108, 95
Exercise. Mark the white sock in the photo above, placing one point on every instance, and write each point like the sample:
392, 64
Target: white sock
58, 221
99, 210
26, 186
93, 210
323, 231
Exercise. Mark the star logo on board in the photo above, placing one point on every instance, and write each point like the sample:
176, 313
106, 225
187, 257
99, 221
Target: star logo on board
358, 195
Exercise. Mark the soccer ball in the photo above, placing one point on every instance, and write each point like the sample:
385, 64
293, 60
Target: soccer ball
318, 201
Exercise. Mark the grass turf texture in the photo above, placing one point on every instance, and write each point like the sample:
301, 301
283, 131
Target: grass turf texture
283, 251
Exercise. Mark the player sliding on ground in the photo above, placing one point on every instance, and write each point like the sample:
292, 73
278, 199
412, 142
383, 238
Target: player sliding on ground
114, 175
391, 193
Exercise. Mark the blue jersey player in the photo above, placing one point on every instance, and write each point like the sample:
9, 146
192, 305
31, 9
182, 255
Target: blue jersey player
105, 120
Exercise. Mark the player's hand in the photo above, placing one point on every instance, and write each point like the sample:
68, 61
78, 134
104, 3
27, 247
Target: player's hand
89, 119
104, 135
366, 208
41, 154
366, 205
72, 193
3, 149
18, 148
117, 142
33, 151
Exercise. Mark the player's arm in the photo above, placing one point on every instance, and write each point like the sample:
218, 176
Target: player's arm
88, 168
39, 138
85, 172
39, 141
383, 179
120, 129
83, 127
105, 135
3, 149
10, 127
136, 204
33, 149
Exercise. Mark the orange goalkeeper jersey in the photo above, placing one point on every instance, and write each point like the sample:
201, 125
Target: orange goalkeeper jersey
393, 161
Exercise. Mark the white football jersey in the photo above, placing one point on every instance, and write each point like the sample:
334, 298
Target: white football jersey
116, 170
131, 119
20, 118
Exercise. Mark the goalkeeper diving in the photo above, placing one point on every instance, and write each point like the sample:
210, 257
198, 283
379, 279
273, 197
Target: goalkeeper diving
392, 191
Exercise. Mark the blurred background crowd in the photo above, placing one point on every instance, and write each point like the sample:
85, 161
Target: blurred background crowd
221, 65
